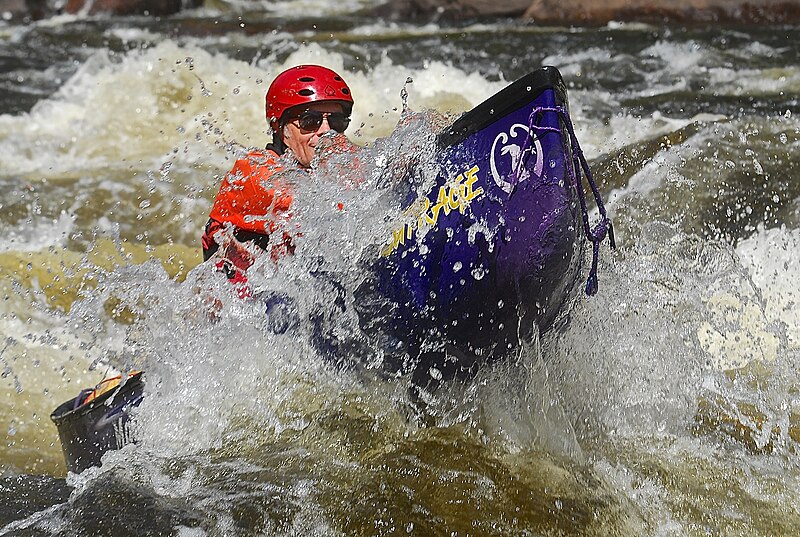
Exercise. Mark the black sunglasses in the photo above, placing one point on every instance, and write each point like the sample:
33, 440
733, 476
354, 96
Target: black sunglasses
311, 120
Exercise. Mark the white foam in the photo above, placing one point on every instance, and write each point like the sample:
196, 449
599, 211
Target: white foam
39, 234
182, 104
773, 258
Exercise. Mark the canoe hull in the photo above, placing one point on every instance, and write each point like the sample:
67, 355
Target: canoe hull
493, 250
88, 430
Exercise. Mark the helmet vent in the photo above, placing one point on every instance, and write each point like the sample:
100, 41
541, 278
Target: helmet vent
306, 79
346, 91
306, 92
338, 78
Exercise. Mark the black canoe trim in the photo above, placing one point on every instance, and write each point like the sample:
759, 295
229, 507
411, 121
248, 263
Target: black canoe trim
88, 430
502, 103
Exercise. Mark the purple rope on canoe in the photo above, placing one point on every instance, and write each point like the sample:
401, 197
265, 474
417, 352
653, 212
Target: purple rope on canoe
604, 228
81, 398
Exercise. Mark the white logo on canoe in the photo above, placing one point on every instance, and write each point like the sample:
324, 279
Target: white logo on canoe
517, 155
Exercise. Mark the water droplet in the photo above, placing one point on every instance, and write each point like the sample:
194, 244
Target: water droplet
457, 266
144, 204
478, 273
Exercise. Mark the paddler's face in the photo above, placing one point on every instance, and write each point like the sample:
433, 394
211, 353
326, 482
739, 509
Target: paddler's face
301, 134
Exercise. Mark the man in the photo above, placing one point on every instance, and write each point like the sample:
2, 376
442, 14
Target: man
302, 104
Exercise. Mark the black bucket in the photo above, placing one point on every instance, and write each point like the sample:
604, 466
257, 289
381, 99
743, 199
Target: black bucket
88, 430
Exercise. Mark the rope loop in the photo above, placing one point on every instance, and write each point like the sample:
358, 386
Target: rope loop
604, 227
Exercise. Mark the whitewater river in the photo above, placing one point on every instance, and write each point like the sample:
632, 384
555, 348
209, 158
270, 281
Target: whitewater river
667, 405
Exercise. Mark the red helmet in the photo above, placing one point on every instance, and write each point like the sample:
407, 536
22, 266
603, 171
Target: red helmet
302, 85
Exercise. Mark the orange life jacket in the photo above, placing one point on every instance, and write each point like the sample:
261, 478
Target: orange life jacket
256, 202
250, 198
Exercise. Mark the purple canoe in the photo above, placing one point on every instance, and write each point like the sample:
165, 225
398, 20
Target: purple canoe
494, 249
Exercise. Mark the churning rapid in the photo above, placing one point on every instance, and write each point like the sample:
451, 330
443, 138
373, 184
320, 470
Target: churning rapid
667, 404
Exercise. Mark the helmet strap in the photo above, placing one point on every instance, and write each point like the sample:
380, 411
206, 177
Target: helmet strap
277, 145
